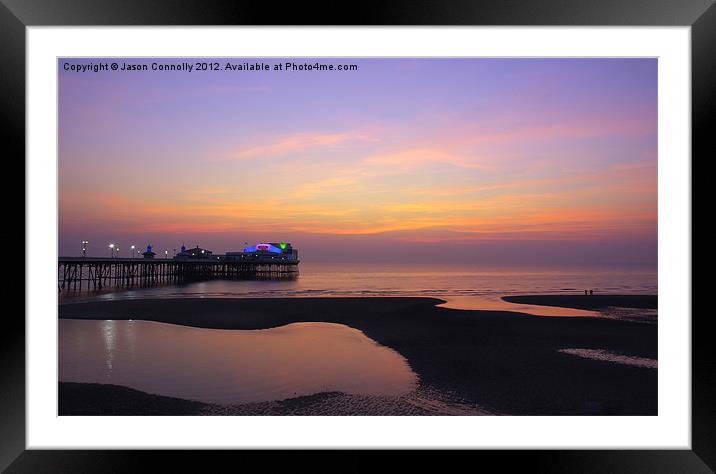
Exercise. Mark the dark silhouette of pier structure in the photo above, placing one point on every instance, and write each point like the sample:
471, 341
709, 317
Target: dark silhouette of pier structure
90, 273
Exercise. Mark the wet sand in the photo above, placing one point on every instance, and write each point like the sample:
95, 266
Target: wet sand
93, 399
506, 362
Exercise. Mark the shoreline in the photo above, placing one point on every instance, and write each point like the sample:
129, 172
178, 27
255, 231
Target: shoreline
503, 361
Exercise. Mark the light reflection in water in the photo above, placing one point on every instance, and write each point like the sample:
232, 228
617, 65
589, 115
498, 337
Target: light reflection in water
230, 366
108, 329
131, 336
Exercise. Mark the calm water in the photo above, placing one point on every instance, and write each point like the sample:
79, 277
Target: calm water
230, 366
463, 286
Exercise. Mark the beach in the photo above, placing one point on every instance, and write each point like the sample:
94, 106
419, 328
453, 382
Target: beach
497, 362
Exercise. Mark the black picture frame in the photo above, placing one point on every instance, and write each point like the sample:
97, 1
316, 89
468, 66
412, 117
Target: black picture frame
16, 15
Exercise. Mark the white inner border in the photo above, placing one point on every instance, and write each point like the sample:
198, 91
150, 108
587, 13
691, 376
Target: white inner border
670, 429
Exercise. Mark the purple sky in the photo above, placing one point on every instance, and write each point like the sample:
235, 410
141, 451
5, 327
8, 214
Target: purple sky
481, 160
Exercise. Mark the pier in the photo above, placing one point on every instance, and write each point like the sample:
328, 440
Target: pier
91, 273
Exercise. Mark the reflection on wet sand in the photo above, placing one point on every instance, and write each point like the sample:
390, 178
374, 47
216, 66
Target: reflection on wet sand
230, 366
495, 303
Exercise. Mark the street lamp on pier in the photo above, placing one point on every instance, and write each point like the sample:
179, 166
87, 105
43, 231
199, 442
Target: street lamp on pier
131, 254
84, 247
166, 254
111, 250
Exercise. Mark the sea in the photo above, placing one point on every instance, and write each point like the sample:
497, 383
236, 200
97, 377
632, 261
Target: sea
402, 279
466, 286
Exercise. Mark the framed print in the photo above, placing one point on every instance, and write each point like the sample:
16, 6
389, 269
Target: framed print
424, 226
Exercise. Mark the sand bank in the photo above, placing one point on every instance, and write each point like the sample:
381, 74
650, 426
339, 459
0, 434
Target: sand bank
588, 302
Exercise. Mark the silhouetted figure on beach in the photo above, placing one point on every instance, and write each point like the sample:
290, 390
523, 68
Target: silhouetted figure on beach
585, 292
591, 292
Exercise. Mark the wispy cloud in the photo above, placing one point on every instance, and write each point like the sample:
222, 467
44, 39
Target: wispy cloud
420, 156
274, 146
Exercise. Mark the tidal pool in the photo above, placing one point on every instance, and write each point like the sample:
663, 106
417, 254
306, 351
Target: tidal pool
230, 366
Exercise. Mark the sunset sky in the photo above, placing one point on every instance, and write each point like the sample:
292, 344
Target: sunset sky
514, 160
